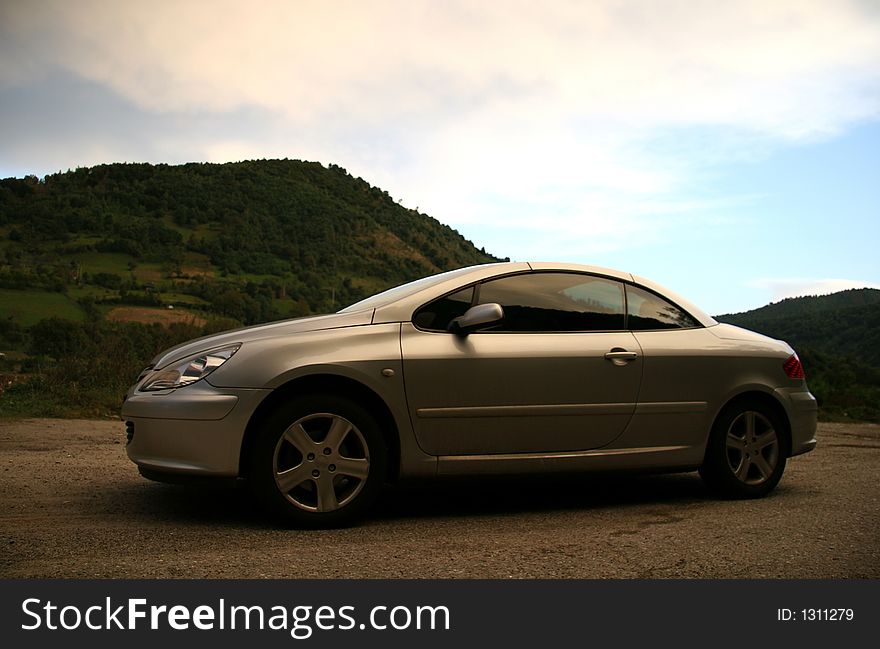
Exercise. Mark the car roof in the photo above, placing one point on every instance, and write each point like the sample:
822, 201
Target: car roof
401, 310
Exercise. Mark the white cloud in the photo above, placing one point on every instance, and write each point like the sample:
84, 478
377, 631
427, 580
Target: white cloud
781, 288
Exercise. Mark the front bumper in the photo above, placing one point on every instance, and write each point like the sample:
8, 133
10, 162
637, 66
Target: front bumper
194, 430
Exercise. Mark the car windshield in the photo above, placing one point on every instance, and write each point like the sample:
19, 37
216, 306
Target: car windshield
404, 290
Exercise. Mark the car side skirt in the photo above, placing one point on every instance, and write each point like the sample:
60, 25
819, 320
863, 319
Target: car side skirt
612, 459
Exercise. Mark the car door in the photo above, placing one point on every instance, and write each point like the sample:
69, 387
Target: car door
558, 374
684, 369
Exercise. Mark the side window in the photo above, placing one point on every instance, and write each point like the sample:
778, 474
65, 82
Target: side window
556, 302
437, 315
647, 310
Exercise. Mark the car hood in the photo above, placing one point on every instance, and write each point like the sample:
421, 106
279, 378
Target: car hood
259, 332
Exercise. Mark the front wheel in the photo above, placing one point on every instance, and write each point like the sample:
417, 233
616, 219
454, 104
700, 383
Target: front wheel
318, 461
745, 456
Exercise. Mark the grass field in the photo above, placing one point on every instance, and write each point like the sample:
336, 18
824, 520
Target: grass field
116, 263
203, 231
149, 272
96, 292
150, 315
29, 307
102, 262
182, 298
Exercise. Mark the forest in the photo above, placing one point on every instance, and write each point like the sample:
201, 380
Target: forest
251, 240
836, 337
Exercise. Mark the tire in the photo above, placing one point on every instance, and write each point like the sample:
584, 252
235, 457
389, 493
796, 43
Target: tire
746, 452
318, 461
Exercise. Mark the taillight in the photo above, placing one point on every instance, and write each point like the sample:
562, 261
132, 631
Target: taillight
793, 368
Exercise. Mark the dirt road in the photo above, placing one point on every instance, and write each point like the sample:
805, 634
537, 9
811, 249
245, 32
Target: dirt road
72, 505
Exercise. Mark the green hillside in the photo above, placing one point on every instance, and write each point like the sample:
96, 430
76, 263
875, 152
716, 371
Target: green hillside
837, 337
845, 323
252, 241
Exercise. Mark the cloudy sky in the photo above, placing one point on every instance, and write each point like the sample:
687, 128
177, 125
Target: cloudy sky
729, 150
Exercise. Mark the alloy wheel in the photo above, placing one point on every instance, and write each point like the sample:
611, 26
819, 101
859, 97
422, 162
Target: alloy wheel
321, 462
752, 448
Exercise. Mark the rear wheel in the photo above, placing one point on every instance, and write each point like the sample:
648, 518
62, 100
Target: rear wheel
745, 456
318, 461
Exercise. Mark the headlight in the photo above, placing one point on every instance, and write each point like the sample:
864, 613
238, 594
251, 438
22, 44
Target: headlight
189, 370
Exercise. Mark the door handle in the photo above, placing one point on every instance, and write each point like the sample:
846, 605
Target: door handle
620, 356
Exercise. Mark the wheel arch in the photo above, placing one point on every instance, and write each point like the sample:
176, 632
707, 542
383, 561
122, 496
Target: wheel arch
767, 399
327, 384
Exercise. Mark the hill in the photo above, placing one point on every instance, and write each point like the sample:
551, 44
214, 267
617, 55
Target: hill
252, 241
837, 337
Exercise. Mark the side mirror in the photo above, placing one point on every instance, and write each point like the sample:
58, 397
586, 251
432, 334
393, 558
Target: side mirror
476, 318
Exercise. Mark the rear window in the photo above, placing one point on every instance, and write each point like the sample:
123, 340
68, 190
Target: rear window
647, 311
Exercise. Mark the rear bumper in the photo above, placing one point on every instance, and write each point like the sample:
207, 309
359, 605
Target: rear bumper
802, 415
191, 431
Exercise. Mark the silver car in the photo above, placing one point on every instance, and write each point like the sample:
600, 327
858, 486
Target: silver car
505, 368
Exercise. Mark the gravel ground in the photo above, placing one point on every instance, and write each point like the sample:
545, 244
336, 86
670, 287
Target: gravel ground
72, 505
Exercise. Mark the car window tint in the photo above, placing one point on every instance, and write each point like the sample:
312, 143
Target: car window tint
437, 315
556, 302
647, 310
